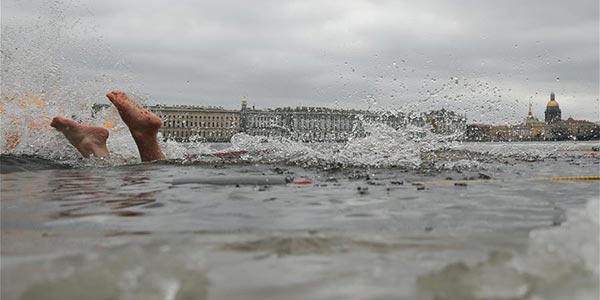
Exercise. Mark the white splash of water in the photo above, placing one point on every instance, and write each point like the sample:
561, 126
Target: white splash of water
42, 51
382, 146
558, 263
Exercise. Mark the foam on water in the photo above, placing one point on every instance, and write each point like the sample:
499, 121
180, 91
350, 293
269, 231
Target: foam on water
558, 263
382, 147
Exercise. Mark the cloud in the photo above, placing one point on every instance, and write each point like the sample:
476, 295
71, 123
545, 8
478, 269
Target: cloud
403, 55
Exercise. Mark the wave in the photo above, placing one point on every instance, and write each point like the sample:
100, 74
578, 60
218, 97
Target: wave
558, 263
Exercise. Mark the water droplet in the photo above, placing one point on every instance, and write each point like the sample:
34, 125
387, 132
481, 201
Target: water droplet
557, 79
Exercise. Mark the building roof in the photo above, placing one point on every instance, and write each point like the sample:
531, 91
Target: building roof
552, 103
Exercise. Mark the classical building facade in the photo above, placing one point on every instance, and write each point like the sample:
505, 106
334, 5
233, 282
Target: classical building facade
326, 124
215, 124
303, 123
184, 122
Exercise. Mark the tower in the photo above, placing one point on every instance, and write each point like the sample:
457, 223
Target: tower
530, 116
552, 113
244, 104
244, 115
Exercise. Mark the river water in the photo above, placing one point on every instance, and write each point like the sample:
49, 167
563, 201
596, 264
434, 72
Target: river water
453, 221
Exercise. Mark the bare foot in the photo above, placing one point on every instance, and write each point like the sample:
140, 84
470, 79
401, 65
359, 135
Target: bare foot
87, 139
142, 123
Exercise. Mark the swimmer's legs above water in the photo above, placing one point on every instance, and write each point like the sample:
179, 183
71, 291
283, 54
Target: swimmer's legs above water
89, 140
142, 124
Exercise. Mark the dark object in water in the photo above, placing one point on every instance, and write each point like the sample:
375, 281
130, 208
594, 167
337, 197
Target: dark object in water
485, 177
460, 184
362, 190
371, 182
595, 148
26, 163
235, 180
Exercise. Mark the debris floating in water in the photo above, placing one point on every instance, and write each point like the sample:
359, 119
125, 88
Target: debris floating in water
302, 181
235, 180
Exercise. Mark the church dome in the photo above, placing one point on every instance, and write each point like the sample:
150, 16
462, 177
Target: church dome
552, 102
553, 113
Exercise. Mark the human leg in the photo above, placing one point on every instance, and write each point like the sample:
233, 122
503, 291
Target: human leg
89, 140
142, 124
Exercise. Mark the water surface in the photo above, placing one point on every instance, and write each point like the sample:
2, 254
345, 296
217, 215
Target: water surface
476, 221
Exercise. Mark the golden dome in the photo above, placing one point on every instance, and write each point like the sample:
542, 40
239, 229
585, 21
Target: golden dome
552, 103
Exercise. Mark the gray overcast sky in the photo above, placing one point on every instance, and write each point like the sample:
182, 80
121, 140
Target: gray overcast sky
487, 59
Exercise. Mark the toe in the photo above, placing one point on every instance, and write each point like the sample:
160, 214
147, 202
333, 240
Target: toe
58, 122
117, 98
55, 122
112, 96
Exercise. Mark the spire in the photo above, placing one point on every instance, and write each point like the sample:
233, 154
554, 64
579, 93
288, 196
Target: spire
530, 114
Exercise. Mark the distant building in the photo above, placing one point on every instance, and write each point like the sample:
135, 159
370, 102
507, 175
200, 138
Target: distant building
552, 113
184, 122
571, 129
445, 122
554, 128
501, 133
478, 132
215, 124
326, 124
533, 129
305, 123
